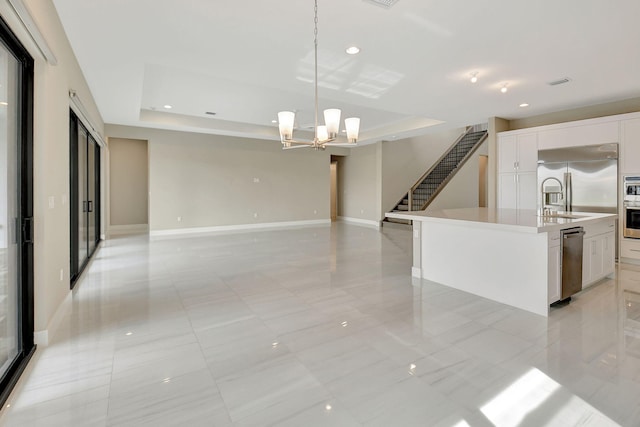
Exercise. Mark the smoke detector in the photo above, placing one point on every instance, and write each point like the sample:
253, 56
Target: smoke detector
382, 3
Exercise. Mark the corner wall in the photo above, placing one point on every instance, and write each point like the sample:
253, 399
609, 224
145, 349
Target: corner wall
51, 157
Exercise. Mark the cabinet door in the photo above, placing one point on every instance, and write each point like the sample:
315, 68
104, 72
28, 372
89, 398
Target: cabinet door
587, 250
527, 190
630, 162
507, 154
554, 279
527, 152
609, 254
507, 191
597, 259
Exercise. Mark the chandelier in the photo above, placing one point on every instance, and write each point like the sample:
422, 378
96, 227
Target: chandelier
323, 135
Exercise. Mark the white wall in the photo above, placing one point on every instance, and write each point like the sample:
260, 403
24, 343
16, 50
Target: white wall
209, 180
51, 154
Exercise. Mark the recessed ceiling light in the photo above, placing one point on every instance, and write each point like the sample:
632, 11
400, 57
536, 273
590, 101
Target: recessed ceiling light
167, 106
504, 89
352, 50
524, 104
474, 77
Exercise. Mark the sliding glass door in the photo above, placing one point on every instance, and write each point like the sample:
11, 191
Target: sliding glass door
16, 210
85, 196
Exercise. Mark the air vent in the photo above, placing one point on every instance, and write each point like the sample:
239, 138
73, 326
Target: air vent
559, 81
382, 3
211, 113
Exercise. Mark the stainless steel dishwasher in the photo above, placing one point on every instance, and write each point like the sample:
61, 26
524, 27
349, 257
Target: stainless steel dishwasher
571, 264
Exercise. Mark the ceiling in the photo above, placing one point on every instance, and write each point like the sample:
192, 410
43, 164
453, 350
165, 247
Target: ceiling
245, 60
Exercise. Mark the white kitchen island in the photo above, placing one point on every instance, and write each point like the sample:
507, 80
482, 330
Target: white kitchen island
507, 255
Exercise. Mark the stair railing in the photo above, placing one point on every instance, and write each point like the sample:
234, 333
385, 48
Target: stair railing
413, 188
451, 175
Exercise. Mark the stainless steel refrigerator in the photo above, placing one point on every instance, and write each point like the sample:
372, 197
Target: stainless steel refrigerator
579, 179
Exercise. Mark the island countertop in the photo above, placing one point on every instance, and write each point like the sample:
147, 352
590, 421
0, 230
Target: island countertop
522, 220
510, 256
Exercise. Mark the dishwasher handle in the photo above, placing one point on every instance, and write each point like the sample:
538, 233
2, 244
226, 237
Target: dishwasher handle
573, 234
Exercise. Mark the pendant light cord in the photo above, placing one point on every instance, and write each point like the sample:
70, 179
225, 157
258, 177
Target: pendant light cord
315, 47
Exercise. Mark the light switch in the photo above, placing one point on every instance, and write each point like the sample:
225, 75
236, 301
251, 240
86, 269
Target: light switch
52, 202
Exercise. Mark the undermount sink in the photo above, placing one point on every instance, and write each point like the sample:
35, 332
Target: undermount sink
562, 215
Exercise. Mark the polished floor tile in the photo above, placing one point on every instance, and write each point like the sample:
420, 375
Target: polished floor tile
322, 327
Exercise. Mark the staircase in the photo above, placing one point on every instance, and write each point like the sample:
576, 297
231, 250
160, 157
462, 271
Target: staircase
435, 179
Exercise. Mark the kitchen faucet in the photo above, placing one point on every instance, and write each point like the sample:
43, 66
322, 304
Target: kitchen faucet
543, 210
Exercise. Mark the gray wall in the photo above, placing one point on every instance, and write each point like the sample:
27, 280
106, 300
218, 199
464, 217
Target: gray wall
463, 190
200, 180
128, 181
406, 160
51, 155
359, 183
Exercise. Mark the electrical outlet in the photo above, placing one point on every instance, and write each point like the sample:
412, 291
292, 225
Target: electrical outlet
361, 211
52, 202
315, 212
179, 219
256, 180
255, 215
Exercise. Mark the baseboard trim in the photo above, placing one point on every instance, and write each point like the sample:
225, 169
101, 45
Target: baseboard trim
240, 227
42, 337
358, 221
116, 230
416, 272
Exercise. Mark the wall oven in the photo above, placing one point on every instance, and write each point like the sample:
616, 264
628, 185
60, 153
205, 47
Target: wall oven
631, 207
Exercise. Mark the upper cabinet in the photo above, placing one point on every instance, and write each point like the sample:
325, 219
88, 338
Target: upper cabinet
517, 153
517, 165
630, 146
576, 135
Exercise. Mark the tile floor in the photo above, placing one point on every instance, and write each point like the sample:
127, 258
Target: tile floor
322, 327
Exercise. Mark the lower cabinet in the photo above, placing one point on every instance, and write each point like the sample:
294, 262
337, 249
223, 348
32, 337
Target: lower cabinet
598, 258
554, 280
517, 190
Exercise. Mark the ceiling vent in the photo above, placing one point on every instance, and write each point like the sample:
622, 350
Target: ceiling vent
559, 81
382, 3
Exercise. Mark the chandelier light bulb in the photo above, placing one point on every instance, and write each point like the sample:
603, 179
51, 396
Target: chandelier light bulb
474, 77
353, 128
504, 88
332, 120
285, 124
322, 134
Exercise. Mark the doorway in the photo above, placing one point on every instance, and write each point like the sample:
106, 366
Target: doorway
483, 180
16, 210
85, 195
334, 189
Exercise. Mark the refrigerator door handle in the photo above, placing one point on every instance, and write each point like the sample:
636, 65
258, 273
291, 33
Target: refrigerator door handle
568, 200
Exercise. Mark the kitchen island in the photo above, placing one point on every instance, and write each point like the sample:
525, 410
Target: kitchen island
507, 255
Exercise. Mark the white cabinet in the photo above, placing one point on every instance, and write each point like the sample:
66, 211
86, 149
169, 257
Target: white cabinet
518, 153
517, 165
517, 190
554, 279
585, 133
630, 248
598, 257
630, 142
